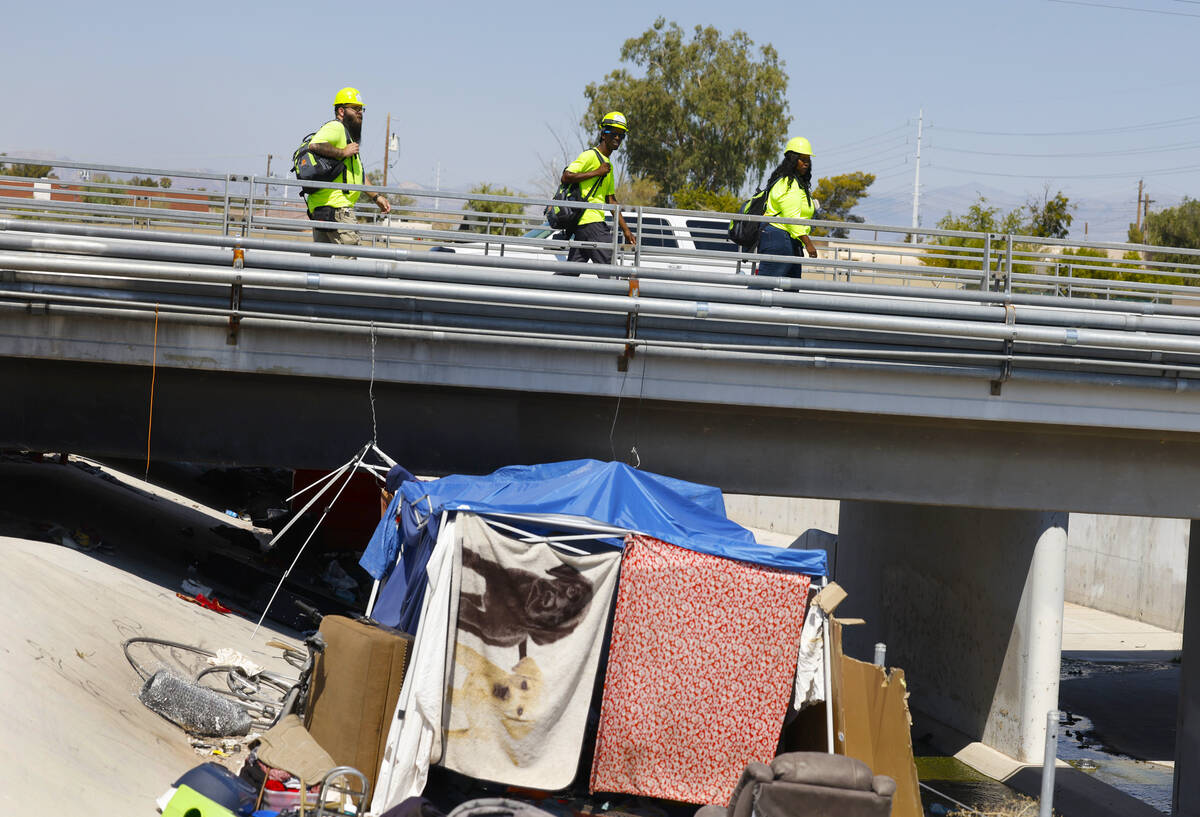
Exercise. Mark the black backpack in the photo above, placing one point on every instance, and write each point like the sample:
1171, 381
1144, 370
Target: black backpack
564, 217
745, 233
309, 167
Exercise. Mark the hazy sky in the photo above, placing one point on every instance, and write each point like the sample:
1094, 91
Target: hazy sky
1084, 96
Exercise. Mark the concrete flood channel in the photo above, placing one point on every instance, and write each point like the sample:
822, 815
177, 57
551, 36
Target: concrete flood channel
1118, 721
1119, 708
1125, 740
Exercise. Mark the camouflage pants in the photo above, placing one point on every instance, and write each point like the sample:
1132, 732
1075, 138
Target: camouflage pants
341, 215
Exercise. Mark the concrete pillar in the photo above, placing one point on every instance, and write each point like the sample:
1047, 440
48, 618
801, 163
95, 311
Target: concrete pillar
969, 602
1186, 797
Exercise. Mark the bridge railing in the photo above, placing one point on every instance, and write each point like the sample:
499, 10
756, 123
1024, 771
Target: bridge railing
100, 281
669, 241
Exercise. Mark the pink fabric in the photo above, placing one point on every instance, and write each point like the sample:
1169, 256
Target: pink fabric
700, 672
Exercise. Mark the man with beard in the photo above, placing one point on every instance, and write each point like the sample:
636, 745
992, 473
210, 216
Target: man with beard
338, 139
789, 196
592, 169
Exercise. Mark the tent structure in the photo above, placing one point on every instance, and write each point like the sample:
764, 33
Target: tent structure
580, 507
597, 501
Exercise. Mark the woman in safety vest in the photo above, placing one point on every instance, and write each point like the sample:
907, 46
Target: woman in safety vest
789, 196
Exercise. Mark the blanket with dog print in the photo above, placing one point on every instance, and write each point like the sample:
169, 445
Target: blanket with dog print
530, 625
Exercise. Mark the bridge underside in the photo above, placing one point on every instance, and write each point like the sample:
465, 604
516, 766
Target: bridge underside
285, 420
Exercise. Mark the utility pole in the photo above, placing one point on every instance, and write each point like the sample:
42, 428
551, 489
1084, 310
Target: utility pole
917, 175
1146, 202
387, 144
1139, 206
270, 156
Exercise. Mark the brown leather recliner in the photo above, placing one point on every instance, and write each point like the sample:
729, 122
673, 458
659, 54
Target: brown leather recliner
808, 784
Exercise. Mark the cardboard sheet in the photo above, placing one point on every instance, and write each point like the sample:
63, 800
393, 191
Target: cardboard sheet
871, 722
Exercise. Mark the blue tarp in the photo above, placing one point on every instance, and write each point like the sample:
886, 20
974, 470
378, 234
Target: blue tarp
686, 514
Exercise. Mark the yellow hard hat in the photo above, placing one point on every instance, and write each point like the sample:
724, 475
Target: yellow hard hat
614, 119
348, 96
798, 144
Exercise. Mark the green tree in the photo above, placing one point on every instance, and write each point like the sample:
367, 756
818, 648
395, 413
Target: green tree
98, 193
638, 191
1136, 234
1177, 226
963, 252
25, 171
1051, 217
497, 218
691, 197
709, 111
1092, 263
837, 196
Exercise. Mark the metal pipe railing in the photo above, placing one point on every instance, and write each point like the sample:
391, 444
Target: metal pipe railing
814, 357
249, 205
1090, 306
604, 303
285, 261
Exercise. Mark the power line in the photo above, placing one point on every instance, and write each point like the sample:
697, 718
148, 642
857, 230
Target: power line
894, 141
1130, 175
887, 153
864, 140
891, 175
868, 155
1127, 152
1124, 8
1121, 129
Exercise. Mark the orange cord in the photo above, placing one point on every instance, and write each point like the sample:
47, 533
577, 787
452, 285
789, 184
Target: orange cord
153, 374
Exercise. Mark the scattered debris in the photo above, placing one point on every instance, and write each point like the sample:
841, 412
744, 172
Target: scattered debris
194, 708
195, 588
206, 602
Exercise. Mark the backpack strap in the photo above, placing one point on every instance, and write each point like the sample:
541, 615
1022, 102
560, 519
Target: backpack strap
599, 179
346, 167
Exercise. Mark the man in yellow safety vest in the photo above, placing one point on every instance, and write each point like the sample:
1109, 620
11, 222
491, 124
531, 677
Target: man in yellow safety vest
338, 139
593, 171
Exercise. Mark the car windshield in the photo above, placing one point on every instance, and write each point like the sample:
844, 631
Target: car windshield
539, 232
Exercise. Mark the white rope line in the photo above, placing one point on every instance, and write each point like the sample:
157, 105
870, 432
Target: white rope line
325, 478
371, 390
351, 468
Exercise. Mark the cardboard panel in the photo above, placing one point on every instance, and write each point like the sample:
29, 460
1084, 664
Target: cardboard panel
871, 723
355, 685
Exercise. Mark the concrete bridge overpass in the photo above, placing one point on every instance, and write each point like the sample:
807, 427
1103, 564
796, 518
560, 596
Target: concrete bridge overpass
959, 425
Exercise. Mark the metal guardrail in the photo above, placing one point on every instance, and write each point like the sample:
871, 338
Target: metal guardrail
233, 252
268, 207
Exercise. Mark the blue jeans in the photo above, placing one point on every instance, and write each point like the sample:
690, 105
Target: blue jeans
774, 241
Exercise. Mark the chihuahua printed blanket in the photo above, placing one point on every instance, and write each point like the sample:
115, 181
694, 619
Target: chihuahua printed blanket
700, 672
530, 625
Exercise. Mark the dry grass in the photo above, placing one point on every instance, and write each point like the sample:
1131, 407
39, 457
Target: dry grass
1017, 806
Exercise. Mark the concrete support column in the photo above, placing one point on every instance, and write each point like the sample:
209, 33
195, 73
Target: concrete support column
969, 602
1186, 797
